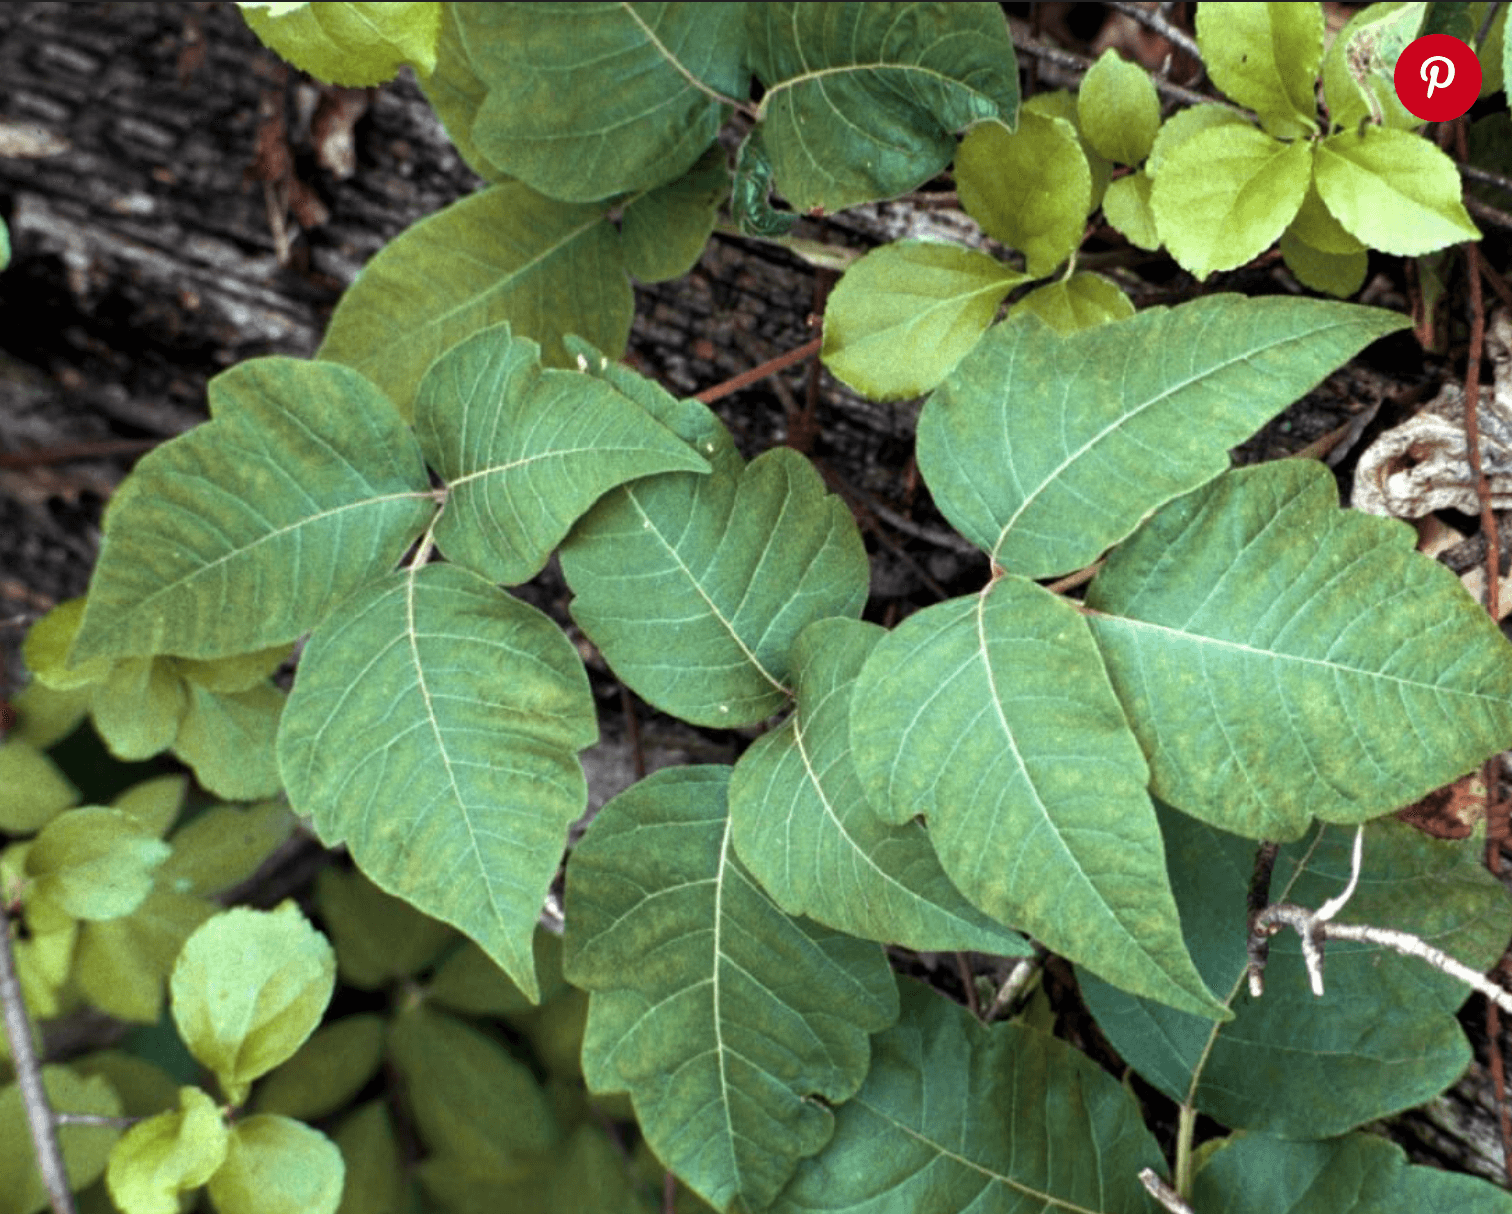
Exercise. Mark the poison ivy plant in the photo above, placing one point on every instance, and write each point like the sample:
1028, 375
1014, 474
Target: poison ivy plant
1009, 770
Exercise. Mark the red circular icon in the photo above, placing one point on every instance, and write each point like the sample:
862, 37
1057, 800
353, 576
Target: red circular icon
1437, 77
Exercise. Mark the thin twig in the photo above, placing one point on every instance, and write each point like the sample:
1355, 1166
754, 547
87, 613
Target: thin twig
1081, 65
709, 395
39, 1114
1013, 986
1155, 23
1163, 1193
1072, 580
1486, 212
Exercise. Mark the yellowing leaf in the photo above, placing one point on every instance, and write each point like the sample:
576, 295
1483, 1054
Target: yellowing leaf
1266, 56
1119, 109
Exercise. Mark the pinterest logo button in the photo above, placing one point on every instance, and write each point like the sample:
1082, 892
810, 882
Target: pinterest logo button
1437, 77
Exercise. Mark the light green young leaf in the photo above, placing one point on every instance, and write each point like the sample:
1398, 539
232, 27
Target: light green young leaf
137, 710
1337, 274
1082, 301
244, 532
526, 452
1061, 103
241, 672
665, 230
248, 988
589, 100
863, 100
1316, 227
990, 716
1271, 681
1118, 109
1031, 190
1044, 450
736, 1028
1126, 206
154, 804
1360, 67
94, 863
800, 822
85, 1148
165, 1156
327, 1071
433, 728
224, 846
33, 791
905, 313
46, 650
504, 254
956, 1116
1384, 1035
378, 937
120, 965
275, 1165
724, 570
1266, 56
468, 1097
1359, 1174
229, 741
44, 717
1394, 191
351, 44
1183, 125
1225, 194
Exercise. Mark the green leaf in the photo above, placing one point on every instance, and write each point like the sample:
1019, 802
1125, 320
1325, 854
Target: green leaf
375, 1171
240, 672
378, 937
1225, 194
121, 964
1082, 301
589, 100
1360, 67
456, 94
1315, 226
1360, 1174
248, 988
526, 452
1044, 450
863, 100
137, 710
224, 846
1384, 1035
328, 1070
94, 863
246, 531
1031, 190
1126, 206
665, 230
33, 791
991, 717
5, 245
1266, 56
1061, 103
802, 825
1338, 274
1183, 125
229, 741
433, 728
350, 44
1118, 108
469, 981
905, 313
469, 1098
957, 1116
751, 192
1394, 191
154, 804
274, 1165
1295, 680
724, 570
167, 1155
737, 1027
504, 254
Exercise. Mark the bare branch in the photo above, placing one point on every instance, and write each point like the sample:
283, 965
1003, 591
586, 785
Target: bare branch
39, 1114
1163, 1193
1155, 23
